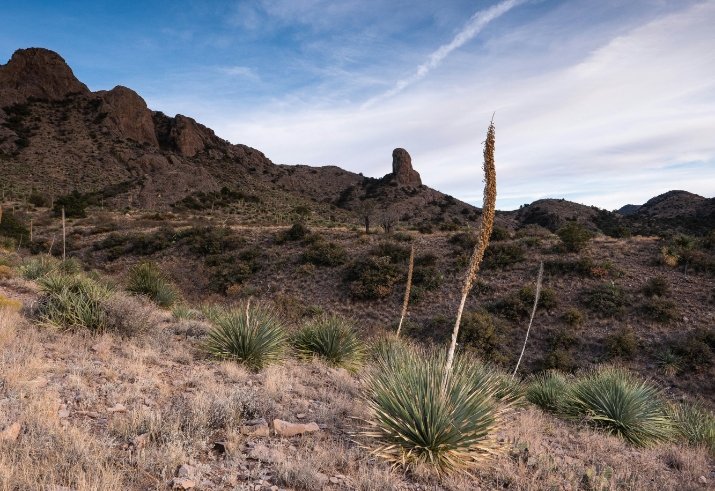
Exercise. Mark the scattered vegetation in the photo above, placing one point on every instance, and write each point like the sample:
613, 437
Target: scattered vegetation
323, 253
606, 299
480, 333
660, 309
658, 286
373, 277
574, 317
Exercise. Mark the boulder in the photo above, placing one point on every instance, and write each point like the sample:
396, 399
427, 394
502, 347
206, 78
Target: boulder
284, 428
402, 168
10, 433
128, 115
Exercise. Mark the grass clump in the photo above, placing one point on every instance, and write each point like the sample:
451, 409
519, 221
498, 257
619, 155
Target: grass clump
548, 391
660, 309
254, 337
618, 402
9, 304
37, 267
75, 302
145, 278
333, 339
668, 362
606, 299
694, 424
419, 422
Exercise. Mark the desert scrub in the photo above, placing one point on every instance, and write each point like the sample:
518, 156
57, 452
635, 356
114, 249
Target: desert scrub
574, 317
694, 423
498, 256
622, 344
417, 422
606, 299
252, 336
332, 339
145, 278
297, 232
322, 253
658, 286
518, 306
395, 252
485, 336
574, 236
667, 361
499, 234
660, 309
618, 402
38, 266
373, 277
75, 302
5, 272
548, 391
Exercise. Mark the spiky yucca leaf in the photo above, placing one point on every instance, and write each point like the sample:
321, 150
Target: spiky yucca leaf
416, 421
256, 340
145, 278
333, 339
73, 302
694, 423
622, 404
548, 391
37, 267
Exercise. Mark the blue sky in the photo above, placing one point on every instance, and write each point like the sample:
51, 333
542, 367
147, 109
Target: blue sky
601, 102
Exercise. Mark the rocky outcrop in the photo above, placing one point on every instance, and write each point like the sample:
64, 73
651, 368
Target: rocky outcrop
39, 73
402, 168
128, 115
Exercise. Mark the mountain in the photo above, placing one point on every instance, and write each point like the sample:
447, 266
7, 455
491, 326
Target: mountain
628, 209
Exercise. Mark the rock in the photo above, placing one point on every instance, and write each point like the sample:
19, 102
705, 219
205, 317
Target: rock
256, 430
186, 471
402, 168
63, 413
89, 414
101, 347
37, 72
37, 383
264, 454
117, 408
128, 115
189, 136
702, 480
300, 415
284, 428
182, 483
140, 441
10, 433
322, 479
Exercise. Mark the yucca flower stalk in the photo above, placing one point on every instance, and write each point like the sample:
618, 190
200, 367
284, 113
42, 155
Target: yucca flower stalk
531, 320
485, 230
407, 290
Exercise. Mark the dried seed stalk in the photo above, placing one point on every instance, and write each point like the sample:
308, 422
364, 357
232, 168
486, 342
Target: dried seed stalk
533, 312
407, 291
485, 230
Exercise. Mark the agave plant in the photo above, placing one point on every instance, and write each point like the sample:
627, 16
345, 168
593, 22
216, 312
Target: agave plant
694, 423
145, 278
333, 339
620, 403
252, 336
548, 390
416, 420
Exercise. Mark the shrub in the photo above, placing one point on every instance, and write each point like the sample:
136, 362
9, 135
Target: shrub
211, 240
386, 348
620, 403
373, 278
574, 317
499, 234
9, 304
548, 391
402, 237
574, 236
73, 302
417, 423
333, 339
37, 267
145, 278
395, 252
657, 286
668, 362
255, 337
559, 359
449, 227
547, 298
503, 255
74, 204
510, 307
5, 272
427, 277
38, 199
182, 311
607, 299
426, 228
622, 343
323, 253
694, 424
297, 232
697, 347
479, 332
226, 272
660, 310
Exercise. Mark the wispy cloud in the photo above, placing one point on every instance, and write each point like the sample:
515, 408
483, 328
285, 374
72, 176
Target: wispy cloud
475, 24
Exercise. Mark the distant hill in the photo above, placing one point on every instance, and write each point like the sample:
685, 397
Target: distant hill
628, 209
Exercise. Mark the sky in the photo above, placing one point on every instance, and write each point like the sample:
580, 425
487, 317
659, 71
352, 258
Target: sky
603, 102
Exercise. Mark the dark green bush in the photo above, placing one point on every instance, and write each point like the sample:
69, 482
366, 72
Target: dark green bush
547, 298
39, 199
511, 307
574, 236
658, 286
211, 240
660, 309
427, 277
696, 348
322, 253
74, 204
449, 227
622, 344
395, 252
503, 255
373, 277
481, 333
559, 359
11, 227
428, 259
402, 237
574, 317
499, 234
297, 232
426, 228
606, 299
226, 271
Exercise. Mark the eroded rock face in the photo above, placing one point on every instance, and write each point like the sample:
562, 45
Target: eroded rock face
191, 137
37, 72
402, 168
128, 115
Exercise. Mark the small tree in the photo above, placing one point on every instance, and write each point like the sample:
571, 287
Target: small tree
574, 236
388, 220
366, 210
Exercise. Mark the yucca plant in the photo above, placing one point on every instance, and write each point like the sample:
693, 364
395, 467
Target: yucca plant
145, 278
212, 311
184, 311
386, 347
420, 419
37, 267
694, 423
622, 404
548, 391
333, 339
252, 336
73, 302
668, 362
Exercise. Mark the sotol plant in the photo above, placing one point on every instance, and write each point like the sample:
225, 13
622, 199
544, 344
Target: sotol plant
334, 340
145, 278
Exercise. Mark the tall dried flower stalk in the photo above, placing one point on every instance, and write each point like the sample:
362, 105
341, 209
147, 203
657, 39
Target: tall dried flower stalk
533, 312
485, 230
407, 291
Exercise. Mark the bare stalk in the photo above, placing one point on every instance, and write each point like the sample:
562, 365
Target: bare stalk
64, 236
485, 230
533, 312
407, 291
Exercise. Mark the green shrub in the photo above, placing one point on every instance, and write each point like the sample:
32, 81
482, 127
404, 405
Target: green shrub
323, 253
510, 307
658, 286
297, 232
618, 402
574, 317
499, 234
547, 298
38, 199
37, 267
427, 277
548, 391
660, 309
696, 348
75, 206
373, 277
333, 339
12, 228
606, 299
73, 302
694, 424
426, 228
402, 237
483, 335
145, 278
226, 271
503, 255
559, 359
449, 227
419, 423
395, 252
255, 339
211, 240
622, 344
574, 236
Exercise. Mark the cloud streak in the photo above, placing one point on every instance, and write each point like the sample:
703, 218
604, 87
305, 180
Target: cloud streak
473, 27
